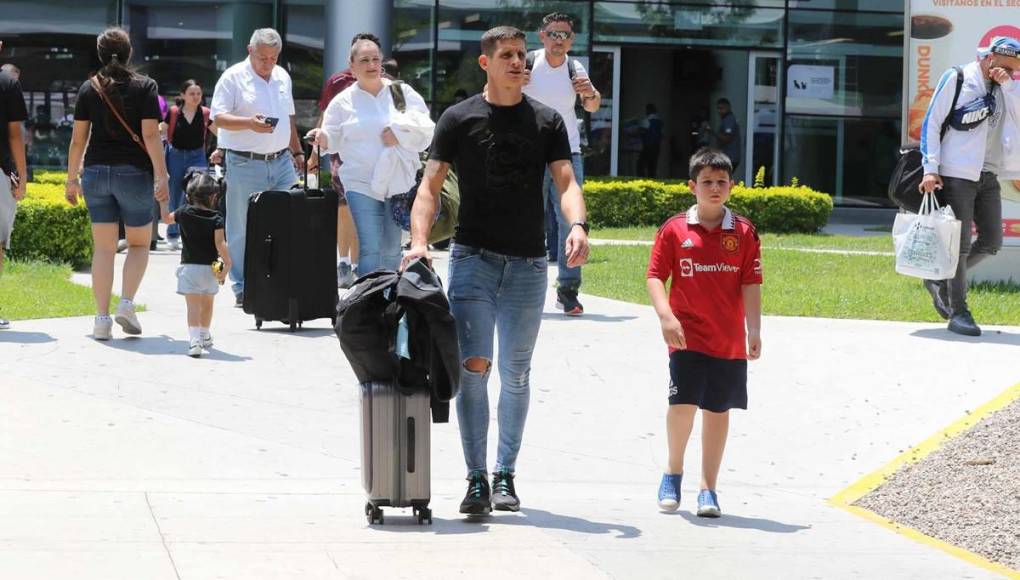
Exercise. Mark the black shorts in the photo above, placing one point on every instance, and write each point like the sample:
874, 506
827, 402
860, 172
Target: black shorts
713, 384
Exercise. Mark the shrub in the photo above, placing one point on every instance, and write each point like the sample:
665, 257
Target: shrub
643, 202
48, 228
49, 176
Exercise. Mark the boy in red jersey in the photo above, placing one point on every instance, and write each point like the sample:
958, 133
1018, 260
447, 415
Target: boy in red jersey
713, 257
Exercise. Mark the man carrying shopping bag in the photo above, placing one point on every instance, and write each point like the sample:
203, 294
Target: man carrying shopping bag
979, 148
928, 242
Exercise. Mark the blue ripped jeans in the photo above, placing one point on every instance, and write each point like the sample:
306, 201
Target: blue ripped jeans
490, 293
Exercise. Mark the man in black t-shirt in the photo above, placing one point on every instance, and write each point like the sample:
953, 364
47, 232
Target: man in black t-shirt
12, 161
499, 143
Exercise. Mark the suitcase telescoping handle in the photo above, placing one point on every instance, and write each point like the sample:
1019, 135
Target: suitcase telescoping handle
312, 147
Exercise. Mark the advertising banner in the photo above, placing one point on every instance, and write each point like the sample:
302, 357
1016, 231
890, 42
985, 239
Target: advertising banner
945, 33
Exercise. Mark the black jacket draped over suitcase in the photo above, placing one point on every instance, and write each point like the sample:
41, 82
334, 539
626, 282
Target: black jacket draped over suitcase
367, 321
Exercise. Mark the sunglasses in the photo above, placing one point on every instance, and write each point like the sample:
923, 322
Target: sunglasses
559, 34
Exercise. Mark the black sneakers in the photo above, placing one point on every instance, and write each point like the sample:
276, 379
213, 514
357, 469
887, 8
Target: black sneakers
963, 323
504, 496
566, 300
477, 500
939, 290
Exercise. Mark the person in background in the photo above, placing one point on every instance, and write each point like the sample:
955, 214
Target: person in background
558, 81
13, 168
651, 142
253, 106
116, 128
189, 127
727, 138
361, 125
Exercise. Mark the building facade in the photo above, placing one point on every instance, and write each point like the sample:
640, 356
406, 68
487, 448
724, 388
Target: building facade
815, 85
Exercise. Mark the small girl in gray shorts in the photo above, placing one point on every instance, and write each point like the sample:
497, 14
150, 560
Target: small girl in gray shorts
204, 257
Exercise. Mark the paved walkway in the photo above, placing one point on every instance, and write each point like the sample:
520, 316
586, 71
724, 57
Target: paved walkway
128, 460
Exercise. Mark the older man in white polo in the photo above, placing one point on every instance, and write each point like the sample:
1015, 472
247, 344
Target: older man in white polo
253, 106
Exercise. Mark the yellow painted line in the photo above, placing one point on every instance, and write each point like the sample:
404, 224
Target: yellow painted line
846, 498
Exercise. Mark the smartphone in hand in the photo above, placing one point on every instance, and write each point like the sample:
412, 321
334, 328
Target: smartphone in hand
272, 121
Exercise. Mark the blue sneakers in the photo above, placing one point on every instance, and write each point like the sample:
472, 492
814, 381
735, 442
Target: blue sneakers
708, 504
669, 492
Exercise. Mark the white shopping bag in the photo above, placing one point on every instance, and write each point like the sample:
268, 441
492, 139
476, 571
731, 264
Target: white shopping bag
928, 243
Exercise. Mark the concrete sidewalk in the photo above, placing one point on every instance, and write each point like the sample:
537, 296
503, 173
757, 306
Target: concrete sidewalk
129, 460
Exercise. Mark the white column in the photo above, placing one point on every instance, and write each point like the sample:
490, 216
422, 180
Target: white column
344, 19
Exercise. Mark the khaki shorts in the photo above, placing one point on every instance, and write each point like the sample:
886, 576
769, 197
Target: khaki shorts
8, 208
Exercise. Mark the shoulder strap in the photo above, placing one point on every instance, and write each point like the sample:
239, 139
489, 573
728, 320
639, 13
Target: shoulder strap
572, 67
171, 123
205, 123
102, 94
956, 99
397, 90
529, 62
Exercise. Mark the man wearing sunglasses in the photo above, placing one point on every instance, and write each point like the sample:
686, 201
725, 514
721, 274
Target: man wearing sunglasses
558, 81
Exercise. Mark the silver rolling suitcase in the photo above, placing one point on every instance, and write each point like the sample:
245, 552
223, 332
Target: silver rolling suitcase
395, 451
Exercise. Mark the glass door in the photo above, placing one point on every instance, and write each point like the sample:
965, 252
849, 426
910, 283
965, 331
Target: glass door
763, 117
602, 149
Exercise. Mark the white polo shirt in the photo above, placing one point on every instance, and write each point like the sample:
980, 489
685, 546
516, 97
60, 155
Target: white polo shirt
242, 92
552, 87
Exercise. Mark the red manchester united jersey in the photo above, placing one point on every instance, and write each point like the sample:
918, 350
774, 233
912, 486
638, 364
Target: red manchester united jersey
708, 269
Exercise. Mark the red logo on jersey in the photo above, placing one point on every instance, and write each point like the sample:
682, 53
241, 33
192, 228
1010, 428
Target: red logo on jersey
731, 243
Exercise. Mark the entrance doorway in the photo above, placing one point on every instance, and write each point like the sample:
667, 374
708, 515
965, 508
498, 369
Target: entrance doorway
681, 88
764, 114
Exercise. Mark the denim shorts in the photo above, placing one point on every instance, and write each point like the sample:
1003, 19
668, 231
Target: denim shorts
8, 208
196, 279
116, 192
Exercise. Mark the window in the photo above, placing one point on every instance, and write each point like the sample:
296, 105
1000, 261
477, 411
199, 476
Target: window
703, 25
54, 45
304, 32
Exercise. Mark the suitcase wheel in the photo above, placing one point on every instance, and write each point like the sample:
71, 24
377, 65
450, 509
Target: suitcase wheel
258, 324
424, 516
293, 326
373, 514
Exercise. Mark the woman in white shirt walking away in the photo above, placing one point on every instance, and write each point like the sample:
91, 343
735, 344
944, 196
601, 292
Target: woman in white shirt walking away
366, 128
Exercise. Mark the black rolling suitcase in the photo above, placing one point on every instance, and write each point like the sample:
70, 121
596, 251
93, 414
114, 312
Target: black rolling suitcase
290, 256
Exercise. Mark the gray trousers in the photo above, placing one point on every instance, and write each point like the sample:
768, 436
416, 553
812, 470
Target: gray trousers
978, 203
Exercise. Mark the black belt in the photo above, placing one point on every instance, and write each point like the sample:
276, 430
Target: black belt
258, 156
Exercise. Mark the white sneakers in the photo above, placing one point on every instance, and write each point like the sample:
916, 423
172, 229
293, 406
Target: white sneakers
127, 319
207, 341
195, 349
103, 329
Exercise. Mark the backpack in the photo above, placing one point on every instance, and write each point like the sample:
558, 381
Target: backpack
585, 116
909, 170
175, 112
444, 224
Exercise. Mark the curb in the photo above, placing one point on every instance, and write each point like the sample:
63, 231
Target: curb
847, 497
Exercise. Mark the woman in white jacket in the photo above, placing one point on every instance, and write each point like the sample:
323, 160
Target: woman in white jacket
379, 146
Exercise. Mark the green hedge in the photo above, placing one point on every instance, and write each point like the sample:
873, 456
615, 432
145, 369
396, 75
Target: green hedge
615, 202
48, 228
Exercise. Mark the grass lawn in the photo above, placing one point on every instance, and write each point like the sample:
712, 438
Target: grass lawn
814, 241
43, 290
812, 284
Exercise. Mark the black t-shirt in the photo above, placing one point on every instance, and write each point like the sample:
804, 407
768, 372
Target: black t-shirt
110, 143
198, 231
500, 155
187, 135
12, 109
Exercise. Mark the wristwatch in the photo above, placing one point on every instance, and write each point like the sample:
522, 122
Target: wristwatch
584, 226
